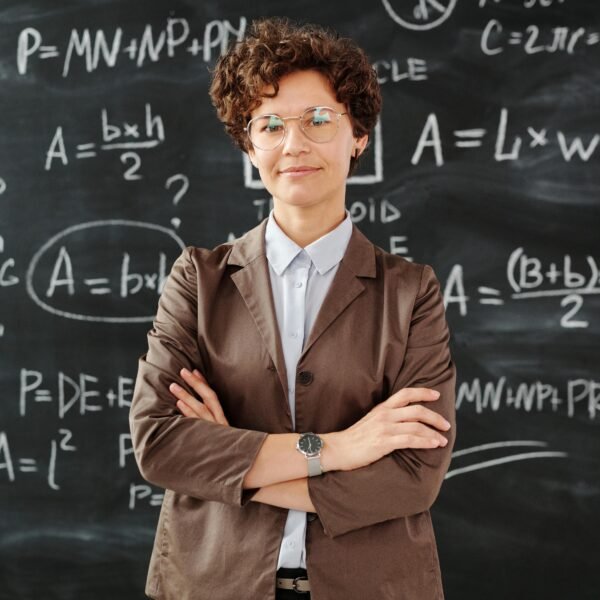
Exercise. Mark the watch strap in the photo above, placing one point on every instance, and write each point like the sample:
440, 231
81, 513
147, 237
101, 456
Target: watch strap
314, 466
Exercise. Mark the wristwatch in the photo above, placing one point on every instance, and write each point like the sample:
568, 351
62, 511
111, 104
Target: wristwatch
310, 445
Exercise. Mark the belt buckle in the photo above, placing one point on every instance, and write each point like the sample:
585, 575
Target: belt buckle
294, 584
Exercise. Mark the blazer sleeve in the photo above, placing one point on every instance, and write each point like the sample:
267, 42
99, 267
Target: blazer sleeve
191, 456
405, 481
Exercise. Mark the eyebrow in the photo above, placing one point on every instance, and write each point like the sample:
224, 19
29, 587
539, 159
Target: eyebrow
304, 109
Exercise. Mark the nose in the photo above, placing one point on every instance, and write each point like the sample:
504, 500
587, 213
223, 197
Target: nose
295, 141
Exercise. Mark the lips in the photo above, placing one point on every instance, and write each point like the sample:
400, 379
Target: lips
299, 169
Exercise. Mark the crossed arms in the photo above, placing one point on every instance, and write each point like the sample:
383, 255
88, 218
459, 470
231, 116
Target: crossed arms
279, 470
385, 466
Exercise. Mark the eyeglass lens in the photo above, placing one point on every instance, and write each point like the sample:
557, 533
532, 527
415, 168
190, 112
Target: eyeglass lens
319, 124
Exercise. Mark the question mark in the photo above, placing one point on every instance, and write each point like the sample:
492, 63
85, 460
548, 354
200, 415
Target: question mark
185, 184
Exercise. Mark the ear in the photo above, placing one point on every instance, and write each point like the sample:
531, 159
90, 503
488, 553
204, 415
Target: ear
360, 145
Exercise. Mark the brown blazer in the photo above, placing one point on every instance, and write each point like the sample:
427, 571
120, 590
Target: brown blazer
381, 327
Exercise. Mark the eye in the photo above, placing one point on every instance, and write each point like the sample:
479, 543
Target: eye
272, 124
319, 116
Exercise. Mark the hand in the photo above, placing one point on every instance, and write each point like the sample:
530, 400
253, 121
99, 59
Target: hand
209, 410
391, 425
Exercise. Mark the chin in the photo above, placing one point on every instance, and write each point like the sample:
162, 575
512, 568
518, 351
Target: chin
295, 201
300, 202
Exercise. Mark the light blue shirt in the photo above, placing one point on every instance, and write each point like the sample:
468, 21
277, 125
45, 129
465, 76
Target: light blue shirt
300, 279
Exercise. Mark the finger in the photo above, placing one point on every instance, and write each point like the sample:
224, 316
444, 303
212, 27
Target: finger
212, 401
416, 394
419, 413
199, 385
428, 436
185, 410
198, 409
198, 382
415, 441
192, 404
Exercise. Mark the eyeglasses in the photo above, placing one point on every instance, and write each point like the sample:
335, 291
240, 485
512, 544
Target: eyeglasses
318, 123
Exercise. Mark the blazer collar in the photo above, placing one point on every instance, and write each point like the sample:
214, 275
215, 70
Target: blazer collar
325, 252
254, 284
359, 256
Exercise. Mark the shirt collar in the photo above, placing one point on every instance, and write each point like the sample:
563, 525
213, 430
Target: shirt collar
325, 252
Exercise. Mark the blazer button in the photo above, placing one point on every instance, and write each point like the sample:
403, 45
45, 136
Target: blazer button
311, 516
305, 377
272, 367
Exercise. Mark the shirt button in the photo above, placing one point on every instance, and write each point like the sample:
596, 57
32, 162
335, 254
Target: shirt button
290, 544
298, 284
293, 334
305, 377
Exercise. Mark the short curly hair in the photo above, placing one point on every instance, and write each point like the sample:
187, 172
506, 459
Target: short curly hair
277, 46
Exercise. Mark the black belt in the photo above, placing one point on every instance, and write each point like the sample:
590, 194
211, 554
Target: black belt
293, 579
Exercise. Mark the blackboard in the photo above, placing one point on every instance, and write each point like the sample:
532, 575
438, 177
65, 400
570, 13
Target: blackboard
484, 164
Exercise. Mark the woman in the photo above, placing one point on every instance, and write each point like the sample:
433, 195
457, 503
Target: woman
281, 403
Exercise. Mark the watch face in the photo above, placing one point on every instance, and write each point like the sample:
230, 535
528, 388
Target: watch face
310, 443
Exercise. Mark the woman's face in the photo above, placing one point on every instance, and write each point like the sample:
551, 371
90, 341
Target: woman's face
330, 161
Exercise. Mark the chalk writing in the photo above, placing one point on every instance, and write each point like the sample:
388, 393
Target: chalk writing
124, 136
580, 397
494, 462
529, 279
78, 394
506, 148
11, 464
420, 15
67, 282
97, 48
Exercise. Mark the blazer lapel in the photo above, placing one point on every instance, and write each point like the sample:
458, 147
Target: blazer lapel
358, 261
254, 284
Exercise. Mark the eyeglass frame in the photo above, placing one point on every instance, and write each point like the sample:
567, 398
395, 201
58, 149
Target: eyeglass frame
285, 128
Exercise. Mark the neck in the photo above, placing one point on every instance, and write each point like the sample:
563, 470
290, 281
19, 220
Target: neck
306, 224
